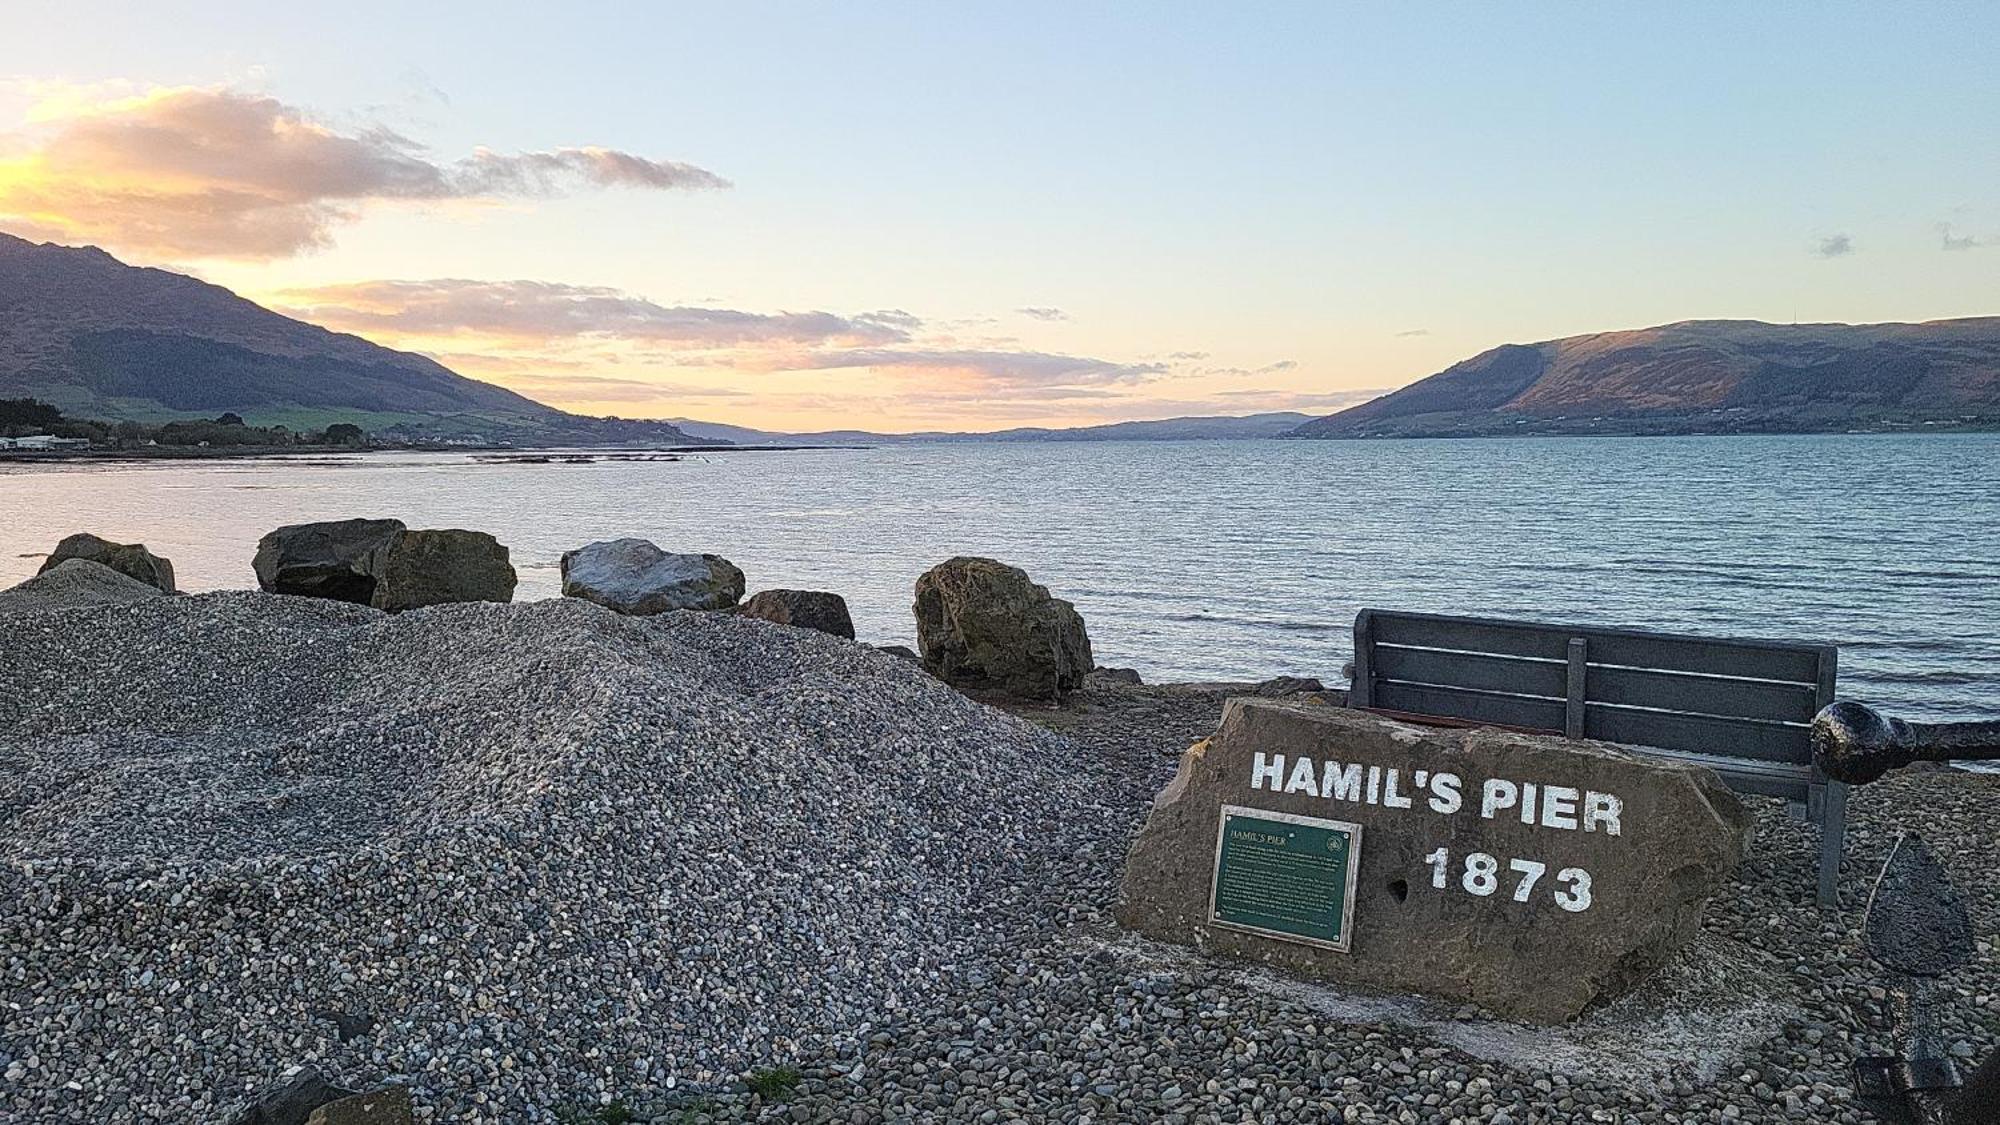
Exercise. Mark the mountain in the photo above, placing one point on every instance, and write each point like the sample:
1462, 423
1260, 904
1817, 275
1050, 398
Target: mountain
101, 339
1703, 376
1269, 425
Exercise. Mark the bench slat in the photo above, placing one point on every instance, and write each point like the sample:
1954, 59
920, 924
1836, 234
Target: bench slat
1726, 738
1476, 671
1774, 660
1769, 779
1704, 695
1485, 707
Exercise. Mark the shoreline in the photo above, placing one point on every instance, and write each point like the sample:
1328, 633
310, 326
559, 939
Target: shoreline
1052, 1013
282, 452
91, 456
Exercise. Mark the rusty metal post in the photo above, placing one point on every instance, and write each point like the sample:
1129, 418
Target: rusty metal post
1857, 744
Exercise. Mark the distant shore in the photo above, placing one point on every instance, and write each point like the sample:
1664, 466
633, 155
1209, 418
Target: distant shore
270, 452
626, 452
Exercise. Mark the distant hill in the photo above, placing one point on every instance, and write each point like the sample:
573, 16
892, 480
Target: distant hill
1202, 428
1703, 376
101, 339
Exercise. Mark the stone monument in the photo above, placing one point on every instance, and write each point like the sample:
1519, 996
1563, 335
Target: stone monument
1532, 875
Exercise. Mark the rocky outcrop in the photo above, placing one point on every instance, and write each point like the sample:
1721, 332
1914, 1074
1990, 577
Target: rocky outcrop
805, 609
436, 566
339, 559
1531, 875
634, 576
983, 624
132, 560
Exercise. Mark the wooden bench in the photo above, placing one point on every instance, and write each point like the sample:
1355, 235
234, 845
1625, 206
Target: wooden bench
1740, 707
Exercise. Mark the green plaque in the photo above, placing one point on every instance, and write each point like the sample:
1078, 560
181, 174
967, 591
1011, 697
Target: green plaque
1285, 876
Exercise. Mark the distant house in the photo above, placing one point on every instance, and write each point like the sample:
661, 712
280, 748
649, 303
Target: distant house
44, 441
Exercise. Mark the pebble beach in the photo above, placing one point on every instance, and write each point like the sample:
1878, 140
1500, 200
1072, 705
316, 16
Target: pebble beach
546, 863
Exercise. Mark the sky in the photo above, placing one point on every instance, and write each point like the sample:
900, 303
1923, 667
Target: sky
918, 216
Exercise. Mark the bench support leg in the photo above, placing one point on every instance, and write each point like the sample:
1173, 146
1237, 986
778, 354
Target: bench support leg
1832, 802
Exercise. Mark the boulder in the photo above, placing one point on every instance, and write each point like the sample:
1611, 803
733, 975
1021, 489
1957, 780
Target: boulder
901, 652
388, 1106
132, 560
1532, 875
340, 559
1278, 686
435, 566
75, 582
290, 1100
634, 576
983, 624
1100, 677
806, 609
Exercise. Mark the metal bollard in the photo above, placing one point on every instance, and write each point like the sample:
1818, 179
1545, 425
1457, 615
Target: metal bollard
1857, 744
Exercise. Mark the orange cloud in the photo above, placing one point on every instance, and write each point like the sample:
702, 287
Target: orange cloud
546, 310
218, 173
549, 327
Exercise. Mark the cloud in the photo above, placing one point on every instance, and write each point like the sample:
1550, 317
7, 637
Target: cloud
1415, 332
1950, 241
1834, 246
1013, 370
1299, 399
216, 172
1039, 312
532, 174
532, 335
1237, 372
599, 388
544, 311
891, 318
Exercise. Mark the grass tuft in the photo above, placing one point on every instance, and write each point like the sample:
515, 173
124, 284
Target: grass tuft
773, 1083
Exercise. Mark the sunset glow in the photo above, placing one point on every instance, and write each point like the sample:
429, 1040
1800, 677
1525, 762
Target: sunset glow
975, 222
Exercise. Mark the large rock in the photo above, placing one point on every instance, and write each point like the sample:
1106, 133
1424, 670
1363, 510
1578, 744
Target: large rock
984, 624
1458, 892
806, 609
339, 559
435, 566
634, 576
1280, 686
132, 560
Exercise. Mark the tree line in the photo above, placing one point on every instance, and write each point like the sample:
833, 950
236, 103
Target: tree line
20, 417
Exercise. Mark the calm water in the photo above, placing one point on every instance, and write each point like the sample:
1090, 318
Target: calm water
1218, 560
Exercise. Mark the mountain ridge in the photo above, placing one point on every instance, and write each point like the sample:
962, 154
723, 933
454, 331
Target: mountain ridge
1702, 376
99, 338
1193, 427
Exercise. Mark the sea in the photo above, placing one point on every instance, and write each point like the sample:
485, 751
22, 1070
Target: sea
1206, 560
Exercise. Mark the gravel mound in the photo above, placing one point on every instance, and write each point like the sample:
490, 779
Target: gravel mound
1761, 1023
555, 855
74, 582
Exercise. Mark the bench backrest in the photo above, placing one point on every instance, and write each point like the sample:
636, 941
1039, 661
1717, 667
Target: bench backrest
1746, 700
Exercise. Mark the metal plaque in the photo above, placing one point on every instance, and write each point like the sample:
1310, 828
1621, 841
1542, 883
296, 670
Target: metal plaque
1285, 876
